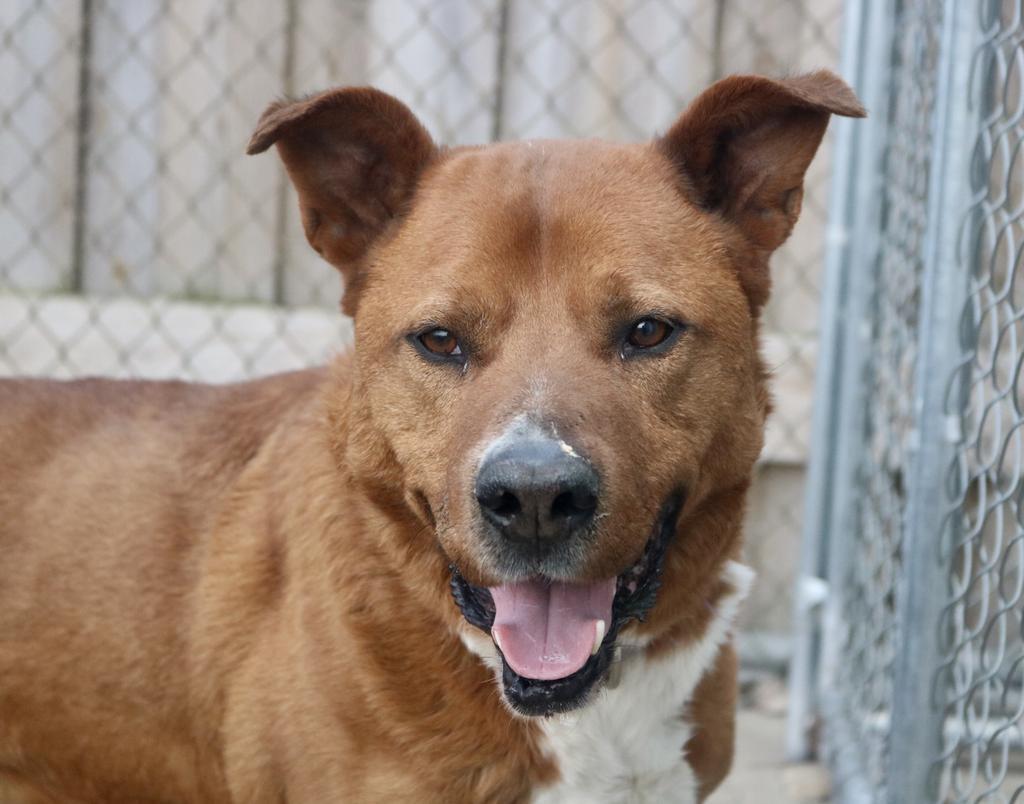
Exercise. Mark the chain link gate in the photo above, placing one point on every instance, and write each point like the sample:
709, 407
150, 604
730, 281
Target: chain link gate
915, 511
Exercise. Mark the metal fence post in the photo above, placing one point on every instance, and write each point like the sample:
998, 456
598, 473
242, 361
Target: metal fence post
852, 785
806, 632
840, 393
917, 719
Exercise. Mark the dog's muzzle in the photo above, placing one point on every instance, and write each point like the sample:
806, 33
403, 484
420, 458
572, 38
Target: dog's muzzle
557, 639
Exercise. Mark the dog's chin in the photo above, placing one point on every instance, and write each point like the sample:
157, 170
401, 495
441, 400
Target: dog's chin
635, 594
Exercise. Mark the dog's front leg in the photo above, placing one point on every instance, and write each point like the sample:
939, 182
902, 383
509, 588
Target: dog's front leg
713, 715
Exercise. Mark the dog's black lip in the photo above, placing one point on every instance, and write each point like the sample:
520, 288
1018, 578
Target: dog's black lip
534, 697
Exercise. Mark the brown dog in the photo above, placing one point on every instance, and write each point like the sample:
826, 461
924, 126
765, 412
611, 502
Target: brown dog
488, 556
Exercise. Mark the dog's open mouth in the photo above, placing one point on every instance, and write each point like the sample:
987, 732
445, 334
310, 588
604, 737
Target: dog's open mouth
556, 639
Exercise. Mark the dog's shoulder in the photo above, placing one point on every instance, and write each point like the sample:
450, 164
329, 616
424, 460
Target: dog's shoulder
627, 745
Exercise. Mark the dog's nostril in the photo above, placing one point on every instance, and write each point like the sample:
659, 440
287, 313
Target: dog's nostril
507, 505
573, 503
501, 504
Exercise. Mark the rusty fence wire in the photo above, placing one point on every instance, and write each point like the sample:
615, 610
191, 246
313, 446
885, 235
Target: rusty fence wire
137, 240
915, 522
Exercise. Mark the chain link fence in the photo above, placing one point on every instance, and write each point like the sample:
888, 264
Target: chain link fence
916, 517
137, 240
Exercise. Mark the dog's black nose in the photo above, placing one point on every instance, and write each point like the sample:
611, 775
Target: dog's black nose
535, 487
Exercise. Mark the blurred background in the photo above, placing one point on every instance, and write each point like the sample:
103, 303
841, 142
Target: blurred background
885, 522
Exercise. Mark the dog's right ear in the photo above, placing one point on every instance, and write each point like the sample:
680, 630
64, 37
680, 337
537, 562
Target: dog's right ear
354, 155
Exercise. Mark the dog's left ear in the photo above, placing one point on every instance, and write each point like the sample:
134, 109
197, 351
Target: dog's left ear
744, 145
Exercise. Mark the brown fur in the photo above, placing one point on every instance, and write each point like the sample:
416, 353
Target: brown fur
240, 593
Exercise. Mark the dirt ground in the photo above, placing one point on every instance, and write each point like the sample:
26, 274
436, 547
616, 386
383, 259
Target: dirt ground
760, 773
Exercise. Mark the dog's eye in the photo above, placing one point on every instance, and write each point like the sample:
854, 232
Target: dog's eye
648, 333
440, 342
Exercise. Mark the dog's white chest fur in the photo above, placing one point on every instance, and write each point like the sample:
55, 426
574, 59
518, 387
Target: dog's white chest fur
626, 746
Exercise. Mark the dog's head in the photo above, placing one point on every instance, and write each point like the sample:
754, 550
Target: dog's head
556, 345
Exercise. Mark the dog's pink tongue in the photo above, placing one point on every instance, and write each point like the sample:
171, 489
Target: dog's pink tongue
546, 630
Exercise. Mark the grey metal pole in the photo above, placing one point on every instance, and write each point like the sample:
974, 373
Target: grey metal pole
818, 489
849, 401
917, 718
